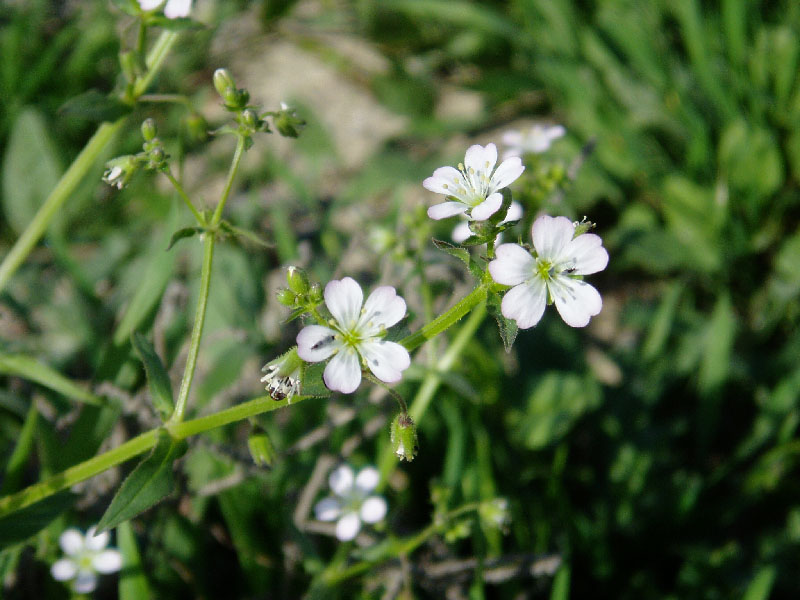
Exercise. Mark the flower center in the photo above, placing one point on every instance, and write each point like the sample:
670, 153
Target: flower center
544, 269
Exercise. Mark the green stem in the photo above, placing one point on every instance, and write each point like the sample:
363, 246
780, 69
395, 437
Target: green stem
446, 320
197, 329
237, 158
138, 445
155, 58
166, 98
179, 188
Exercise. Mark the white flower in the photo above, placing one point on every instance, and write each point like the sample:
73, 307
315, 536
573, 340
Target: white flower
473, 188
87, 555
461, 231
551, 274
172, 10
535, 141
352, 502
354, 332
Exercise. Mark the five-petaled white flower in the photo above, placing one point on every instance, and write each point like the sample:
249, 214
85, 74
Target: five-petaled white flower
550, 275
462, 231
354, 332
173, 8
87, 556
352, 502
472, 188
534, 141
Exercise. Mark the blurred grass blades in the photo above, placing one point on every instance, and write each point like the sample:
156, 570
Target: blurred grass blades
133, 583
29, 368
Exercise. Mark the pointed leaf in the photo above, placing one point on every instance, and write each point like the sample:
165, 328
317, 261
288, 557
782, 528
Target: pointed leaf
95, 106
183, 233
157, 377
460, 253
507, 327
22, 524
29, 368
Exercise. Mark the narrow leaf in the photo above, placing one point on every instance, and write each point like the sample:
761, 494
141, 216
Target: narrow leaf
507, 327
132, 581
28, 368
94, 106
22, 524
157, 377
761, 586
16, 464
460, 253
183, 233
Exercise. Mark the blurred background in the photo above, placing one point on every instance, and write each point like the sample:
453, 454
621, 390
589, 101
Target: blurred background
652, 455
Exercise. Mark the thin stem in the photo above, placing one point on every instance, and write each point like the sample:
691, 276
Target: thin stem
179, 188
237, 158
155, 58
141, 38
393, 393
197, 330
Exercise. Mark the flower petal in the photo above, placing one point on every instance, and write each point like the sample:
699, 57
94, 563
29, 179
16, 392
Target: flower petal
514, 212
341, 480
461, 232
85, 582
550, 235
327, 509
512, 138
525, 303
475, 158
343, 372
316, 343
512, 266
507, 172
97, 542
150, 4
555, 131
577, 301
367, 479
383, 307
64, 569
107, 561
446, 209
373, 509
344, 298
586, 253
445, 180
348, 527
71, 541
487, 208
386, 360
177, 8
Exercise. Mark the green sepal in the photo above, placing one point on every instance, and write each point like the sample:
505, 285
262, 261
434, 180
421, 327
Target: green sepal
507, 327
186, 232
157, 377
149, 483
404, 437
95, 106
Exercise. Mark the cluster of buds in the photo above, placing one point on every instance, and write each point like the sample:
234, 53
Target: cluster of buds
300, 294
119, 170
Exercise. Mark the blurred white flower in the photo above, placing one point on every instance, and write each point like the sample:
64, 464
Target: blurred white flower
173, 8
473, 187
351, 503
461, 231
551, 275
534, 141
355, 333
87, 556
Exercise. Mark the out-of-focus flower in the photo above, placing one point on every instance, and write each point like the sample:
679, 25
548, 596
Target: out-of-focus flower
173, 9
355, 333
461, 231
351, 503
534, 141
473, 187
87, 556
552, 274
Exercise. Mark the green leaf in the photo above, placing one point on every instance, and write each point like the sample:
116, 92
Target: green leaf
761, 586
94, 106
157, 377
22, 524
149, 483
186, 232
132, 581
719, 338
242, 234
560, 589
30, 169
28, 368
130, 7
22, 450
507, 327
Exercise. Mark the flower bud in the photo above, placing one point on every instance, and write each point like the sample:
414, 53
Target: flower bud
404, 437
287, 122
250, 119
315, 294
261, 448
196, 127
286, 297
148, 130
297, 280
223, 82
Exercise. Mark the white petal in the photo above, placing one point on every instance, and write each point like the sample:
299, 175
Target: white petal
489, 158
71, 541
507, 173
348, 526
367, 479
514, 212
342, 480
316, 343
512, 266
461, 232
445, 180
586, 253
373, 509
149, 4
384, 307
525, 303
327, 509
550, 235
577, 301
446, 209
107, 561
555, 131
97, 542
85, 582
177, 8
64, 569
385, 359
343, 298
512, 138
343, 372
475, 158
488, 207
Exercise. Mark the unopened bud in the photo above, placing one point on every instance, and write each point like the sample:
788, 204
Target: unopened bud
148, 129
250, 119
287, 122
286, 297
223, 82
315, 294
261, 448
297, 280
404, 437
196, 127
